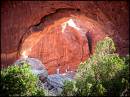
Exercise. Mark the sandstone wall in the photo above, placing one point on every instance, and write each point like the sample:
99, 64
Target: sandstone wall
18, 17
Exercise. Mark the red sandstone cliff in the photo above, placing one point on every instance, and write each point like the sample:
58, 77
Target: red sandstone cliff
19, 33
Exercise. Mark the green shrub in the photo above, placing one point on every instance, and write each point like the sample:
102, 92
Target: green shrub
105, 46
83, 88
19, 81
69, 88
103, 64
104, 73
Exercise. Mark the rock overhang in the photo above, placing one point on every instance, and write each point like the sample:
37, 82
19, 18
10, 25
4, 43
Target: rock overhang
63, 42
18, 17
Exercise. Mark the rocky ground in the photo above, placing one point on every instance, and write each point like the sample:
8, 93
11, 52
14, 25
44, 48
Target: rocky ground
53, 84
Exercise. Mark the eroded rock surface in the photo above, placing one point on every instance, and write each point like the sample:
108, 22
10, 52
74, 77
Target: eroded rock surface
64, 44
17, 17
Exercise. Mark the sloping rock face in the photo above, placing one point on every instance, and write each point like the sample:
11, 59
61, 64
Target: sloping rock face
29, 27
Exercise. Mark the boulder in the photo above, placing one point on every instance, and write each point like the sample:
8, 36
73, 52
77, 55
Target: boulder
37, 67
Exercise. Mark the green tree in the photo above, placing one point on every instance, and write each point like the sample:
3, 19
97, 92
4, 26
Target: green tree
105, 73
19, 81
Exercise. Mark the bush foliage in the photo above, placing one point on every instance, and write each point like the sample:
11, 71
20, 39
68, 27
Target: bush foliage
103, 74
19, 81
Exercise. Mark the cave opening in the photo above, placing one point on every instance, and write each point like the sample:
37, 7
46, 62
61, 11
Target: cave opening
64, 44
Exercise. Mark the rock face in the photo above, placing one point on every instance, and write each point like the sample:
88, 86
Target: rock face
42, 30
61, 47
65, 44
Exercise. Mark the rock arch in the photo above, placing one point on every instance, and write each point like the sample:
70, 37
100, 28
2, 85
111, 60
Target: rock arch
21, 19
63, 41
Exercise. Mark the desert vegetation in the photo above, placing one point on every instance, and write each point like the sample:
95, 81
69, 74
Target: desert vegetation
18, 80
105, 73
